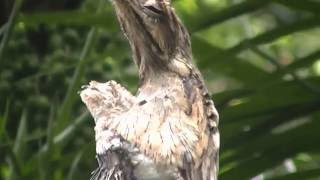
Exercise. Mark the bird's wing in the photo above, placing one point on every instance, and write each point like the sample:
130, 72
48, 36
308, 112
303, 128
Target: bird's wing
205, 115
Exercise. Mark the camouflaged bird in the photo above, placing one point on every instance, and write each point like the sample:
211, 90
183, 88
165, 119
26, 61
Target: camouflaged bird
169, 130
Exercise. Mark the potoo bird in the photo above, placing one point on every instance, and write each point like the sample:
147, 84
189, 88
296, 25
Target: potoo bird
169, 129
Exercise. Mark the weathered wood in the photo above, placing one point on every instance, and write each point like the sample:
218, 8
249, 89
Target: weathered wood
169, 130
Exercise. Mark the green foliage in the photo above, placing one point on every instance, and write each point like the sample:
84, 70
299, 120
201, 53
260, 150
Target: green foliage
260, 59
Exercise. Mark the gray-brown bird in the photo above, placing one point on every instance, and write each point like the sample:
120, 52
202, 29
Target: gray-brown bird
169, 130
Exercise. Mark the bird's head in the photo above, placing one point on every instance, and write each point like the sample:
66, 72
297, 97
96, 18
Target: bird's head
155, 33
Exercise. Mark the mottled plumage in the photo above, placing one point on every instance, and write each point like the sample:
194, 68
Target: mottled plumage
170, 128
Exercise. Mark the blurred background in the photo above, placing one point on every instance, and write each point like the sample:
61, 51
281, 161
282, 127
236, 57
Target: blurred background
260, 59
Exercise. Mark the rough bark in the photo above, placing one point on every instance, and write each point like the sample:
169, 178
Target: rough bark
169, 129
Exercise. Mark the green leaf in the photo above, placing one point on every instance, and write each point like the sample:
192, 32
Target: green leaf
75, 165
297, 64
209, 18
65, 135
69, 100
277, 32
17, 151
271, 99
21, 134
8, 27
251, 128
266, 152
217, 60
304, 61
76, 18
4, 119
306, 5
304, 174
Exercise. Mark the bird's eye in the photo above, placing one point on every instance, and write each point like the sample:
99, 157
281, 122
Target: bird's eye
153, 10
